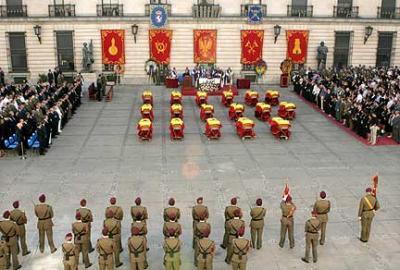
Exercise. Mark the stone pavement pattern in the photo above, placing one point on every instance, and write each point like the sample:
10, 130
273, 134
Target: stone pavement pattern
98, 155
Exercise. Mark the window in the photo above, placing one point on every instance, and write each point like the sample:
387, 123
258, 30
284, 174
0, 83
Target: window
299, 8
108, 67
385, 49
61, 9
388, 9
18, 52
110, 8
342, 53
65, 50
15, 8
345, 3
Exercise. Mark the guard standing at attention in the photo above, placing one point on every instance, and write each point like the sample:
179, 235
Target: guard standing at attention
81, 239
312, 228
9, 230
198, 210
87, 218
206, 252
70, 253
322, 208
137, 245
171, 210
113, 227
257, 224
118, 215
106, 248
287, 221
366, 212
44, 213
138, 208
241, 247
229, 210
19, 217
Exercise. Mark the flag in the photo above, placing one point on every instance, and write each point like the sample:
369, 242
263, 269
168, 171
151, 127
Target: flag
205, 46
113, 46
297, 45
374, 185
286, 191
160, 45
252, 46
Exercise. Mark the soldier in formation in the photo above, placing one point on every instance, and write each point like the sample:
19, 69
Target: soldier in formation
44, 214
366, 213
313, 225
287, 221
257, 214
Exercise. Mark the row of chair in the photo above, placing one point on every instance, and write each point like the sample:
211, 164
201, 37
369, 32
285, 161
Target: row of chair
12, 142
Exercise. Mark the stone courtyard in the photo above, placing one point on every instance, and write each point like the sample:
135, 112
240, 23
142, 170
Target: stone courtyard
98, 156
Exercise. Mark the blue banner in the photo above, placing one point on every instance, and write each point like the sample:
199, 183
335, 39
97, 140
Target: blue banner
158, 16
255, 14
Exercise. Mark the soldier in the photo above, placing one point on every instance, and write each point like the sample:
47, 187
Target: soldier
139, 209
9, 230
114, 231
172, 224
20, 219
81, 239
171, 209
322, 208
240, 248
118, 215
70, 253
202, 226
206, 251
257, 224
141, 225
233, 226
106, 248
312, 228
198, 209
44, 213
172, 247
87, 218
287, 222
137, 245
366, 212
229, 210
4, 253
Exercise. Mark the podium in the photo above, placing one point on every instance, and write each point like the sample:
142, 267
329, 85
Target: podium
243, 83
284, 81
187, 81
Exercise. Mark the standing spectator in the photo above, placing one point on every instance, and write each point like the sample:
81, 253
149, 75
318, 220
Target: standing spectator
50, 77
99, 88
396, 126
2, 81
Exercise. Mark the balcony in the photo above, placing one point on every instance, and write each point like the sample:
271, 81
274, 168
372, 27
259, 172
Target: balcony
244, 10
345, 12
206, 11
13, 11
300, 11
388, 13
66, 10
110, 10
168, 8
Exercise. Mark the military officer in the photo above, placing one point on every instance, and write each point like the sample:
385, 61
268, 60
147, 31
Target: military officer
198, 209
114, 231
138, 208
9, 230
241, 247
4, 253
118, 215
106, 248
312, 228
233, 226
137, 245
20, 219
87, 218
172, 224
141, 225
205, 251
201, 226
172, 248
366, 212
322, 208
81, 239
229, 210
70, 253
287, 223
44, 213
257, 224
171, 209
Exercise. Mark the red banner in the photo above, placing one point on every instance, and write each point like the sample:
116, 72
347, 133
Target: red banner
252, 46
160, 45
205, 46
297, 44
113, 46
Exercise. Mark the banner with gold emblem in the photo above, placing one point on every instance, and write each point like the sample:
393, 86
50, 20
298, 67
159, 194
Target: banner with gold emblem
252, 46
297, 45
205, 46
113, 46
160, 45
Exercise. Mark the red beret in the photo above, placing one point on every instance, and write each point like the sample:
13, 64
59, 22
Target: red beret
240, 232
368, 189
110, 214
237, 213
288, 199
113, 200
83, 202
6, 214
206, 232
16, 204
105, 231
234, 201
322, 194
259, 202
135, 231
138, 216
171, 201
171, 232
68, 236
138, 201
78, 216
42, 198
199, 200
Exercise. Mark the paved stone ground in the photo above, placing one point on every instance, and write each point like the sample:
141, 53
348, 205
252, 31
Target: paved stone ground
99, 155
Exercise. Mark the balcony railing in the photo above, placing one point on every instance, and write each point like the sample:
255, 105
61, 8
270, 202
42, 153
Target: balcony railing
110, 10
13, 11
345, 12
244, 10
388, 13
206, 11
168, 8
300, 11
66, 10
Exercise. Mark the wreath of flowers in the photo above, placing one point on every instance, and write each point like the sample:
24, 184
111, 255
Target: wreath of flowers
261, 67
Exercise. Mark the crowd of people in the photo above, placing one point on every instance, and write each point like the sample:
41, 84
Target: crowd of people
366, 100
43, 109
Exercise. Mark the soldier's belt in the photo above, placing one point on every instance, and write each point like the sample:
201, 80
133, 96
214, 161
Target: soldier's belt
258, 219
287, 216
368, 210
45, 218
313, 232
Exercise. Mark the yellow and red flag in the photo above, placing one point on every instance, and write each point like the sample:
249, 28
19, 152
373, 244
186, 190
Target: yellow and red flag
160, 45
286, 191
205, 46
113, 46
297, 45
252, 46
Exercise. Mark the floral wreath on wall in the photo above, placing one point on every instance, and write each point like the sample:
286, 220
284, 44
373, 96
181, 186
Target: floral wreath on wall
261, 67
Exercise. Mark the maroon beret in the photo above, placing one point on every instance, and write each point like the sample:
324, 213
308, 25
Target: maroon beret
135, 231
42, 198
105, 231
171, 201
113, 200
16, 204
199, 200
138, 201
6, 214
288, 199
234, 201
171, 232
68, 236
78, 216
259, 202
83, 202
368, 189
322, 194
206, 232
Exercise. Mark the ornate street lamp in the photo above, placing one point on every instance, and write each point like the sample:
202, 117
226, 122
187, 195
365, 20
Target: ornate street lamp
135, 29
277, 32
368, 33
38, 32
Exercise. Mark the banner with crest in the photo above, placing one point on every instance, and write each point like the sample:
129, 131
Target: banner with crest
160, 45
252, 46
205, 46
113, 46
297, 45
